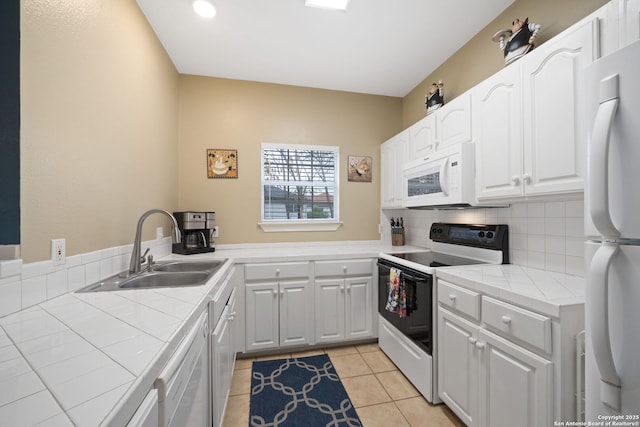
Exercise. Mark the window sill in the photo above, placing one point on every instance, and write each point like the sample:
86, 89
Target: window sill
283, 227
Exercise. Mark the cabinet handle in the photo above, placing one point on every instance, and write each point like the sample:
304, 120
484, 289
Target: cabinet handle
344, 269
526, 178
452, 297
342, 289
472, 340
480, 345
348, 289
506, 320
277, 271
515, 180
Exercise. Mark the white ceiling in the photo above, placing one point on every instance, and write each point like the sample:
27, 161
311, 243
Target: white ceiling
382, 47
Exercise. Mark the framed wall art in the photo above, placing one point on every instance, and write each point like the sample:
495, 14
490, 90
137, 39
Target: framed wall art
222, 163
359, 169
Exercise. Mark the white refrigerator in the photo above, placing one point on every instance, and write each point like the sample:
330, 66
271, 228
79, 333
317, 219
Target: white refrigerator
612, 227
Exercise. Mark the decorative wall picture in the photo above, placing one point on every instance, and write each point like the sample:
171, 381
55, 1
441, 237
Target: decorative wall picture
222, 163
359, 168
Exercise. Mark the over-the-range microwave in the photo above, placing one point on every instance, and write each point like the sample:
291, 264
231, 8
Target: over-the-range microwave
446, 178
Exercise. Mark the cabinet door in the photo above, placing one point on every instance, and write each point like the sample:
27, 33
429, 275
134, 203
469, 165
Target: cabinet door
222, 362
359, 307
497, 121
554, 122
422, 137
458, 365
147, 413
296, 313
515, 385
330, 310
387, 162
630, 18
261, 301
453, 122
393, 156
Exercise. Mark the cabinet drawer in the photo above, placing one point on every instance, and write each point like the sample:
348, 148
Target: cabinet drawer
459, 299
360, 267
512, 321
271, 271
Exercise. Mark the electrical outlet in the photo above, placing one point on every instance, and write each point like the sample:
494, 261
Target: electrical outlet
159, 233
216, 231
58, 251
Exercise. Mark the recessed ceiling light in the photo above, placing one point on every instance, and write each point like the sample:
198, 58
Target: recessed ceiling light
204, 8
328, 4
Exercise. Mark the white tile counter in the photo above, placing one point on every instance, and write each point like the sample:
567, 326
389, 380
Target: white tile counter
539, 290
90, 358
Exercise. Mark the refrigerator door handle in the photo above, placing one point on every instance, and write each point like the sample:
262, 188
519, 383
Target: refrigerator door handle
598, 176
598, 294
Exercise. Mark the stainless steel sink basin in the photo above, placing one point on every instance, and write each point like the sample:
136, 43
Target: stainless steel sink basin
166, 279
188, 265
169, 274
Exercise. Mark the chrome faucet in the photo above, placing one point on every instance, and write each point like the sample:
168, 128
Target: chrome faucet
136, 260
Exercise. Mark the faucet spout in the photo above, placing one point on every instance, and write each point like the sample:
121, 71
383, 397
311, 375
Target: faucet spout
136, 263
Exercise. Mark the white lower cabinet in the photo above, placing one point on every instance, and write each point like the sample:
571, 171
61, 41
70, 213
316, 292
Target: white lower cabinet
458, 365
147, 413
344, 300
278, 305
489, 381
343, 308
515, 385
222, 360
500, 364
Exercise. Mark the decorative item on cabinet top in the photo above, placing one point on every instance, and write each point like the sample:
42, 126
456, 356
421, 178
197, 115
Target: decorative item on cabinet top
518, 41
434, 99
222, 163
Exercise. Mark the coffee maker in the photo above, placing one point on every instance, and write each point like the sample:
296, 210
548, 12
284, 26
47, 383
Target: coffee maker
198, 230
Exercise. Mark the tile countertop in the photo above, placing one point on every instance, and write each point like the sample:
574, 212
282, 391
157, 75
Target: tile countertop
545, 292
89, 359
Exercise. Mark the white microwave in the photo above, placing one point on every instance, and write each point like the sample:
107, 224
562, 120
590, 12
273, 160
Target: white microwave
446, 178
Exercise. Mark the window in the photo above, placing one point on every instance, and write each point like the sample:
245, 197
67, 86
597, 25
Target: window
299, 185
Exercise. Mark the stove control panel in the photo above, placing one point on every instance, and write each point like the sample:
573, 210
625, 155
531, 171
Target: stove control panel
483, 236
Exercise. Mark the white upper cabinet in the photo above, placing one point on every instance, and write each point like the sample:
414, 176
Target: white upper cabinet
448, 125
453, 122
553, 111
529, 124
393, 155
422, 135
497, 127
630, 21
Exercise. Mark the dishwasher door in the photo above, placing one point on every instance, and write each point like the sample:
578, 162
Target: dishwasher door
183, 387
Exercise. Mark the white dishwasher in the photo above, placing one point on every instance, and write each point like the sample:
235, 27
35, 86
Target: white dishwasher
183, 387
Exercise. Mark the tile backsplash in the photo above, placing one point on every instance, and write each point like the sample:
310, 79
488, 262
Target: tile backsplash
22, 286
545, 235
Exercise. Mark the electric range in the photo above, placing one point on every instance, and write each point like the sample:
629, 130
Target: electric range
409, 338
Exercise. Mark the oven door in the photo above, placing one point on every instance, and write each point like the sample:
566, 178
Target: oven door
419, 323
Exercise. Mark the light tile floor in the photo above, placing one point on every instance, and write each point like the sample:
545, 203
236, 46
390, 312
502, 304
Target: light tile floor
383, 397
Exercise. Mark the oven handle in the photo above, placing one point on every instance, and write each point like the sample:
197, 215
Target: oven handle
408, 276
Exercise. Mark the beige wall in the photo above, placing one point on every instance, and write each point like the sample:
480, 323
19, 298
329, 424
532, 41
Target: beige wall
232, 114
99, 125
480, 57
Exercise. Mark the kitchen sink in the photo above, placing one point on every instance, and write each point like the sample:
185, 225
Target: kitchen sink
169, 274
166, 279
188, 265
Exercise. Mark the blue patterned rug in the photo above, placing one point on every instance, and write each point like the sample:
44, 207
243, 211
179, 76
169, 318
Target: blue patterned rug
300, 392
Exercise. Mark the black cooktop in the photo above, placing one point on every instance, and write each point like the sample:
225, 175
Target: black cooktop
435, 259
494, 237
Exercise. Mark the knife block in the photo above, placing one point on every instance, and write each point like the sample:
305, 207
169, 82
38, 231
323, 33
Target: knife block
397, 236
